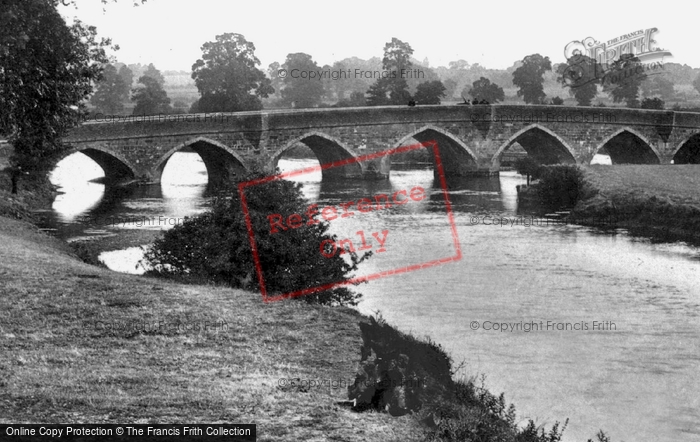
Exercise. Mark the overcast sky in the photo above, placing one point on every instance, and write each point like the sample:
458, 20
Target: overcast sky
170, 33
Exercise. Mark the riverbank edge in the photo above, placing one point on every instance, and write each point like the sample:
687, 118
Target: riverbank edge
58, 369
441, 419
655, 217
39, 380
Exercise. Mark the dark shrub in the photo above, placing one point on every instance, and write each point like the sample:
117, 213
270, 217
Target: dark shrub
398, 373
215, 247
562, 186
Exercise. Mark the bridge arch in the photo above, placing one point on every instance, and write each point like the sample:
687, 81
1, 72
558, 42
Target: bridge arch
629, 147
545, 146
115, 166
456, 157
327, 149
688, 151
222, 162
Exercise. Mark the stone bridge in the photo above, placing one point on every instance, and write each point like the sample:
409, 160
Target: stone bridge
471, 139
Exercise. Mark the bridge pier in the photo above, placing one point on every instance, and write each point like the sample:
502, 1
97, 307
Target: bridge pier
377, 168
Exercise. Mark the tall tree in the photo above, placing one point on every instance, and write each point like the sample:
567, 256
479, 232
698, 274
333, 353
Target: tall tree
483, 89
47, 69
127, 77
227, 77
581, 74
392, 88
623, 80
150, 99
299, 90
273, 71
529, 78
111, 92
430, 92
155, 74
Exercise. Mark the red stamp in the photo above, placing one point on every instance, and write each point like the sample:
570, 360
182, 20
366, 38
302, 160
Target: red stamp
376, 241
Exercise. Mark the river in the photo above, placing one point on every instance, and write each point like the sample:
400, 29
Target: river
635, 375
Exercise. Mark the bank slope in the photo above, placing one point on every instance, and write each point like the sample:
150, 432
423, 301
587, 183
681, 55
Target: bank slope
84, 344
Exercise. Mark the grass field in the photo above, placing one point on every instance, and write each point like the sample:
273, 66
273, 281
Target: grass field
658, 202
79, 345
678, 183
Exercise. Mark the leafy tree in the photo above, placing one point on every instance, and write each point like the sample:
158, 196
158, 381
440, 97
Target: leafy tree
483, 89
276, 82
215, 247
450, 88
378, 94
227, 77
111, 92
47, 69
393, 87
624, 79
430, 92
557, 101
658, 86
529, 78
581, 74
150, 99
350, 82
652, 103
127, 77
299, 89
155, 74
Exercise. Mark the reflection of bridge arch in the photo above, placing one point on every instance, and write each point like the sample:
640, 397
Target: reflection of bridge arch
688, 151
327, 150
630, 147
115, 167
222, 162
545, 146
455, 155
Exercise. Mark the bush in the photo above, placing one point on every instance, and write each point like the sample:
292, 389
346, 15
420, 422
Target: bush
398, 372
215, 247
562, 186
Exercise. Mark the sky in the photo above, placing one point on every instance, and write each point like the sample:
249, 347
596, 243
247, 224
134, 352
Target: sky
170, 33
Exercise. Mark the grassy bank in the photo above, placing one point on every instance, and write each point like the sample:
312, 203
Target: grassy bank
84, 344
659, 202
79, 345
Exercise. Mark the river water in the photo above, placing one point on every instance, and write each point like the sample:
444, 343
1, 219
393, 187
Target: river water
600, 327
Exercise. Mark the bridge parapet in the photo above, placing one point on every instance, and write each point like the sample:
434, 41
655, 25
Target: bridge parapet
471, 138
